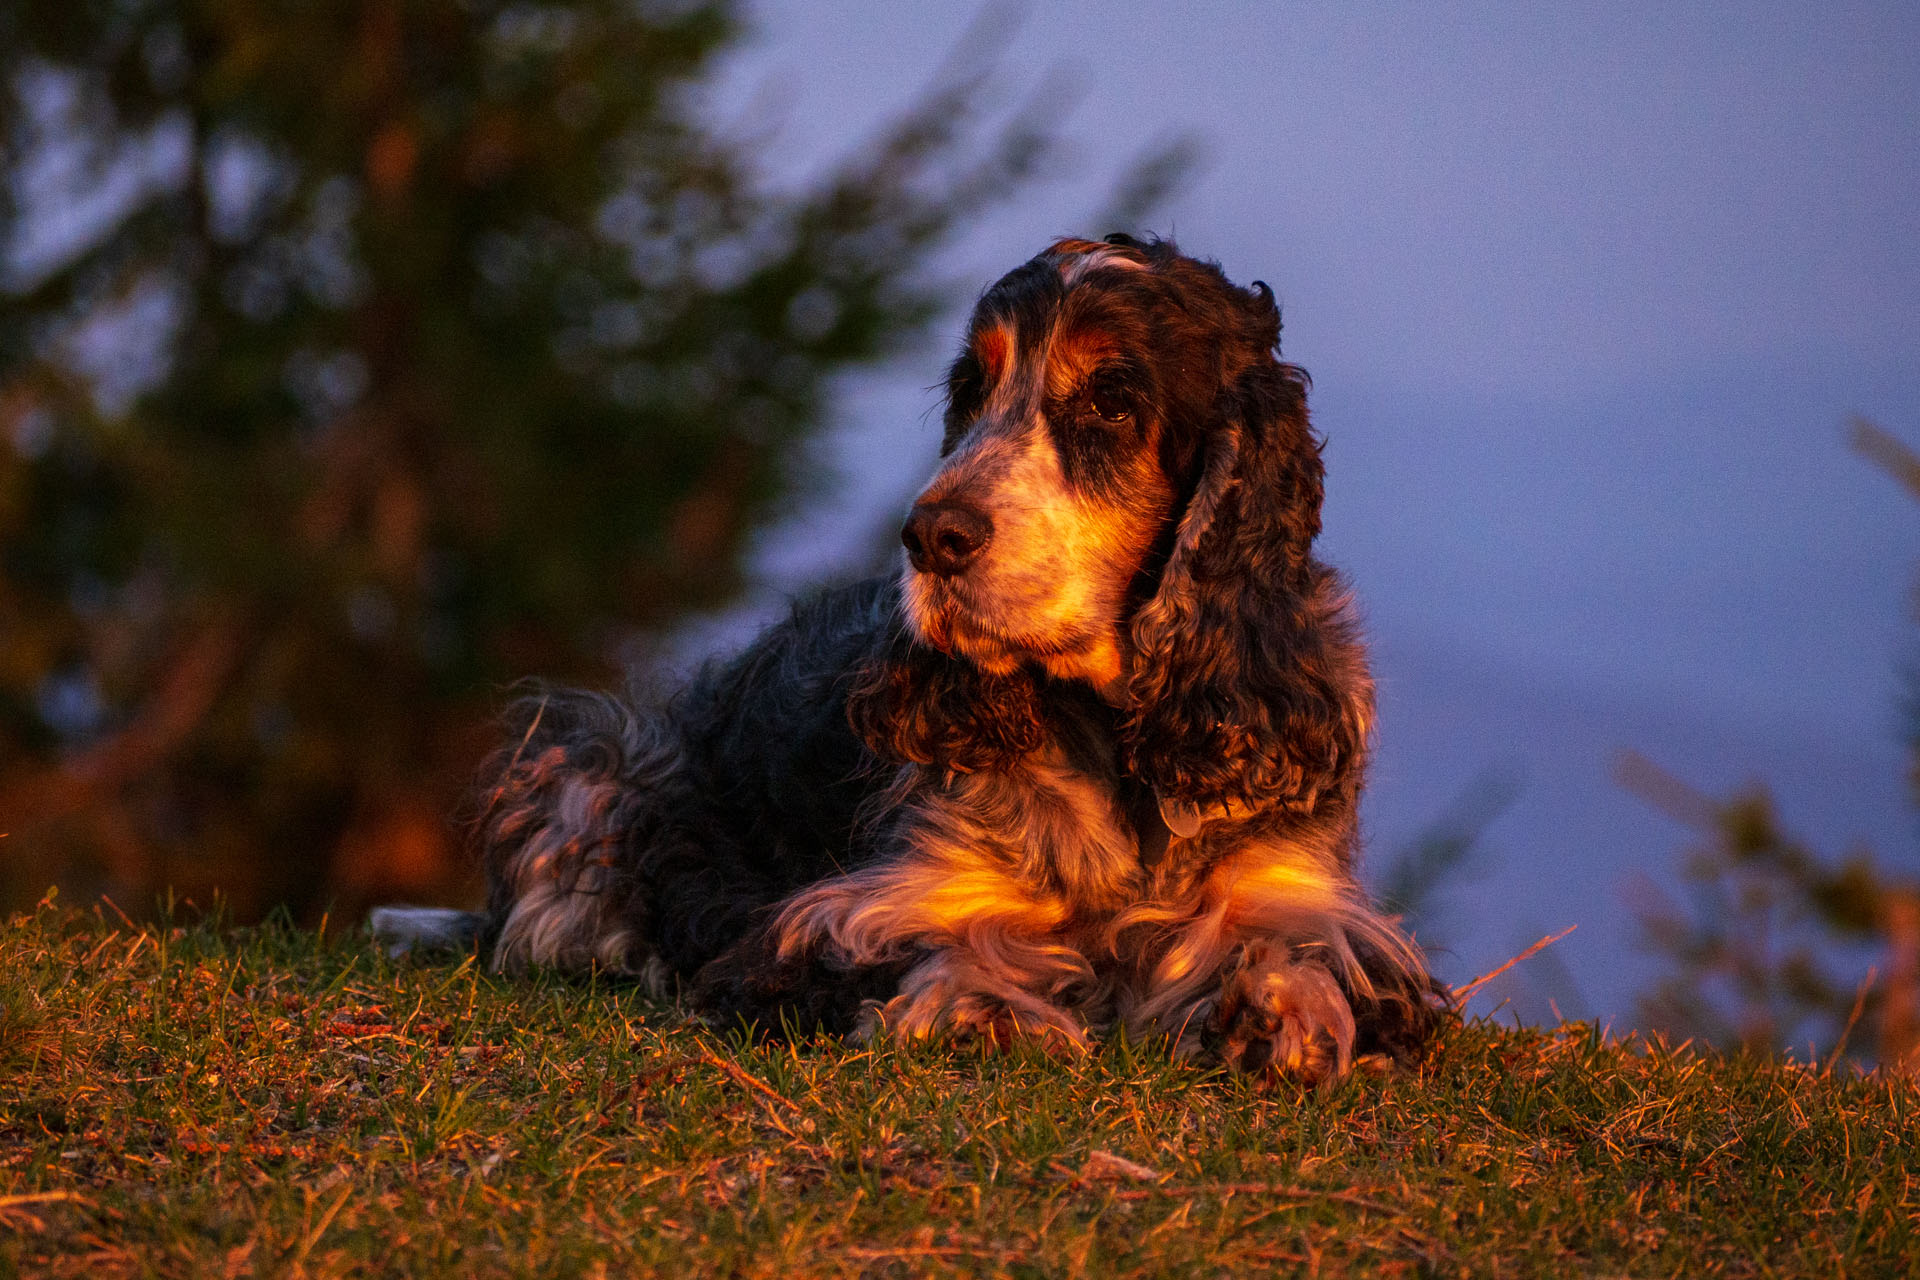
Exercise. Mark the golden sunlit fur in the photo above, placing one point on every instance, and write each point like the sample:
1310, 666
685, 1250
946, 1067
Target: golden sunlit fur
1091, 759
1024, 887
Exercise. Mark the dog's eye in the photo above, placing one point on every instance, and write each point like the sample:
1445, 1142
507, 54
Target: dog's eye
1110, 401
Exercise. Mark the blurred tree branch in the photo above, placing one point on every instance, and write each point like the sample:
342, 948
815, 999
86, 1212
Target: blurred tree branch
358, 358
1443, 855
1752, 956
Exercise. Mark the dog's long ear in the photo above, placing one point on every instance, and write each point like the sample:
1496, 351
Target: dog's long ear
1249, 688
913, 703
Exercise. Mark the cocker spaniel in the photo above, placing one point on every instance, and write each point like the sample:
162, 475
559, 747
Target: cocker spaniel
1093, 757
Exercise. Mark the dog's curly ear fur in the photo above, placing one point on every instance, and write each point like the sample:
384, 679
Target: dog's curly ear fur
913, 703
1249, 688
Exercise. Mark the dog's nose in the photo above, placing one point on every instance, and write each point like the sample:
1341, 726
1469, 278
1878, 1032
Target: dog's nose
945, 537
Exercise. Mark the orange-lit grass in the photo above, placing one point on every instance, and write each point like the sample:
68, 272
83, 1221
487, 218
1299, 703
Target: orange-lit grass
198, 1101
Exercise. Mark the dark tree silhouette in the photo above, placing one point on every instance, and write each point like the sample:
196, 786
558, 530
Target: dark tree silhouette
359, 357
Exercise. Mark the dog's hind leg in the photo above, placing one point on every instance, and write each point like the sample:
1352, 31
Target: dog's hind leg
572, 809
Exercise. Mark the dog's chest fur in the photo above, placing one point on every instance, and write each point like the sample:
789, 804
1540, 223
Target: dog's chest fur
1067, 822
1070, 834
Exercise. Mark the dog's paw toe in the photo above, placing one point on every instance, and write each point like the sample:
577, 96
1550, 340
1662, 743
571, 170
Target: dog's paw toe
975, 1019
1285, 1019
1003, 1027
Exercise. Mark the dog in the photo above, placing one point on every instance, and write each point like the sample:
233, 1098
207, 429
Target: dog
1091, 759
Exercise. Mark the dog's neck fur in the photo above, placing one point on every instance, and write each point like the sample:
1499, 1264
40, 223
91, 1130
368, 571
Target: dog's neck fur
1086, 725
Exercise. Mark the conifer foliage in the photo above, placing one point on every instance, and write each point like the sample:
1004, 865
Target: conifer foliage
357, 358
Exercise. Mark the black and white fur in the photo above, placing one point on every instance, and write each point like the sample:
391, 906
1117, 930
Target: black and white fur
1093, 757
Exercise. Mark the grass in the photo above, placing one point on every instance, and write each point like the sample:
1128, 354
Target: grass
191, 1100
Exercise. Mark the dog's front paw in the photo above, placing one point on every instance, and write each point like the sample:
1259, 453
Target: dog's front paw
752, 985
1279, 1017
947, 998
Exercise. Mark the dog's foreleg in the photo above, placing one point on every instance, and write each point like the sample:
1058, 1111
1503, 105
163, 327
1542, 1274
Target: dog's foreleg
988, 960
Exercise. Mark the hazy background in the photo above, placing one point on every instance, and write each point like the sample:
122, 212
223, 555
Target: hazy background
1587, 300
361, 359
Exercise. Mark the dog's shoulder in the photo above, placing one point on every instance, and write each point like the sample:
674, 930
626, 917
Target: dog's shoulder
766, 734
805, 658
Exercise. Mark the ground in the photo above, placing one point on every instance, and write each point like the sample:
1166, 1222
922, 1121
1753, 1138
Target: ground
193, 1100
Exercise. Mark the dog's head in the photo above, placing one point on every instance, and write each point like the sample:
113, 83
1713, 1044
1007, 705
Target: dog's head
1128, 497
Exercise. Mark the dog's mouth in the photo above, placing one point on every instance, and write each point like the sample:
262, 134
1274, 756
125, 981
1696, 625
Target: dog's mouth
943, 618
946, 614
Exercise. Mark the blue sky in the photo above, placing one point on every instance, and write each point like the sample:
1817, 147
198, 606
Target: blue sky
1587, 298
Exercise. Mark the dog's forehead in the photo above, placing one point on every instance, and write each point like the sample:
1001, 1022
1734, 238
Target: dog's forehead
1054, 307
1076, 267
1018, 304
1080, 345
